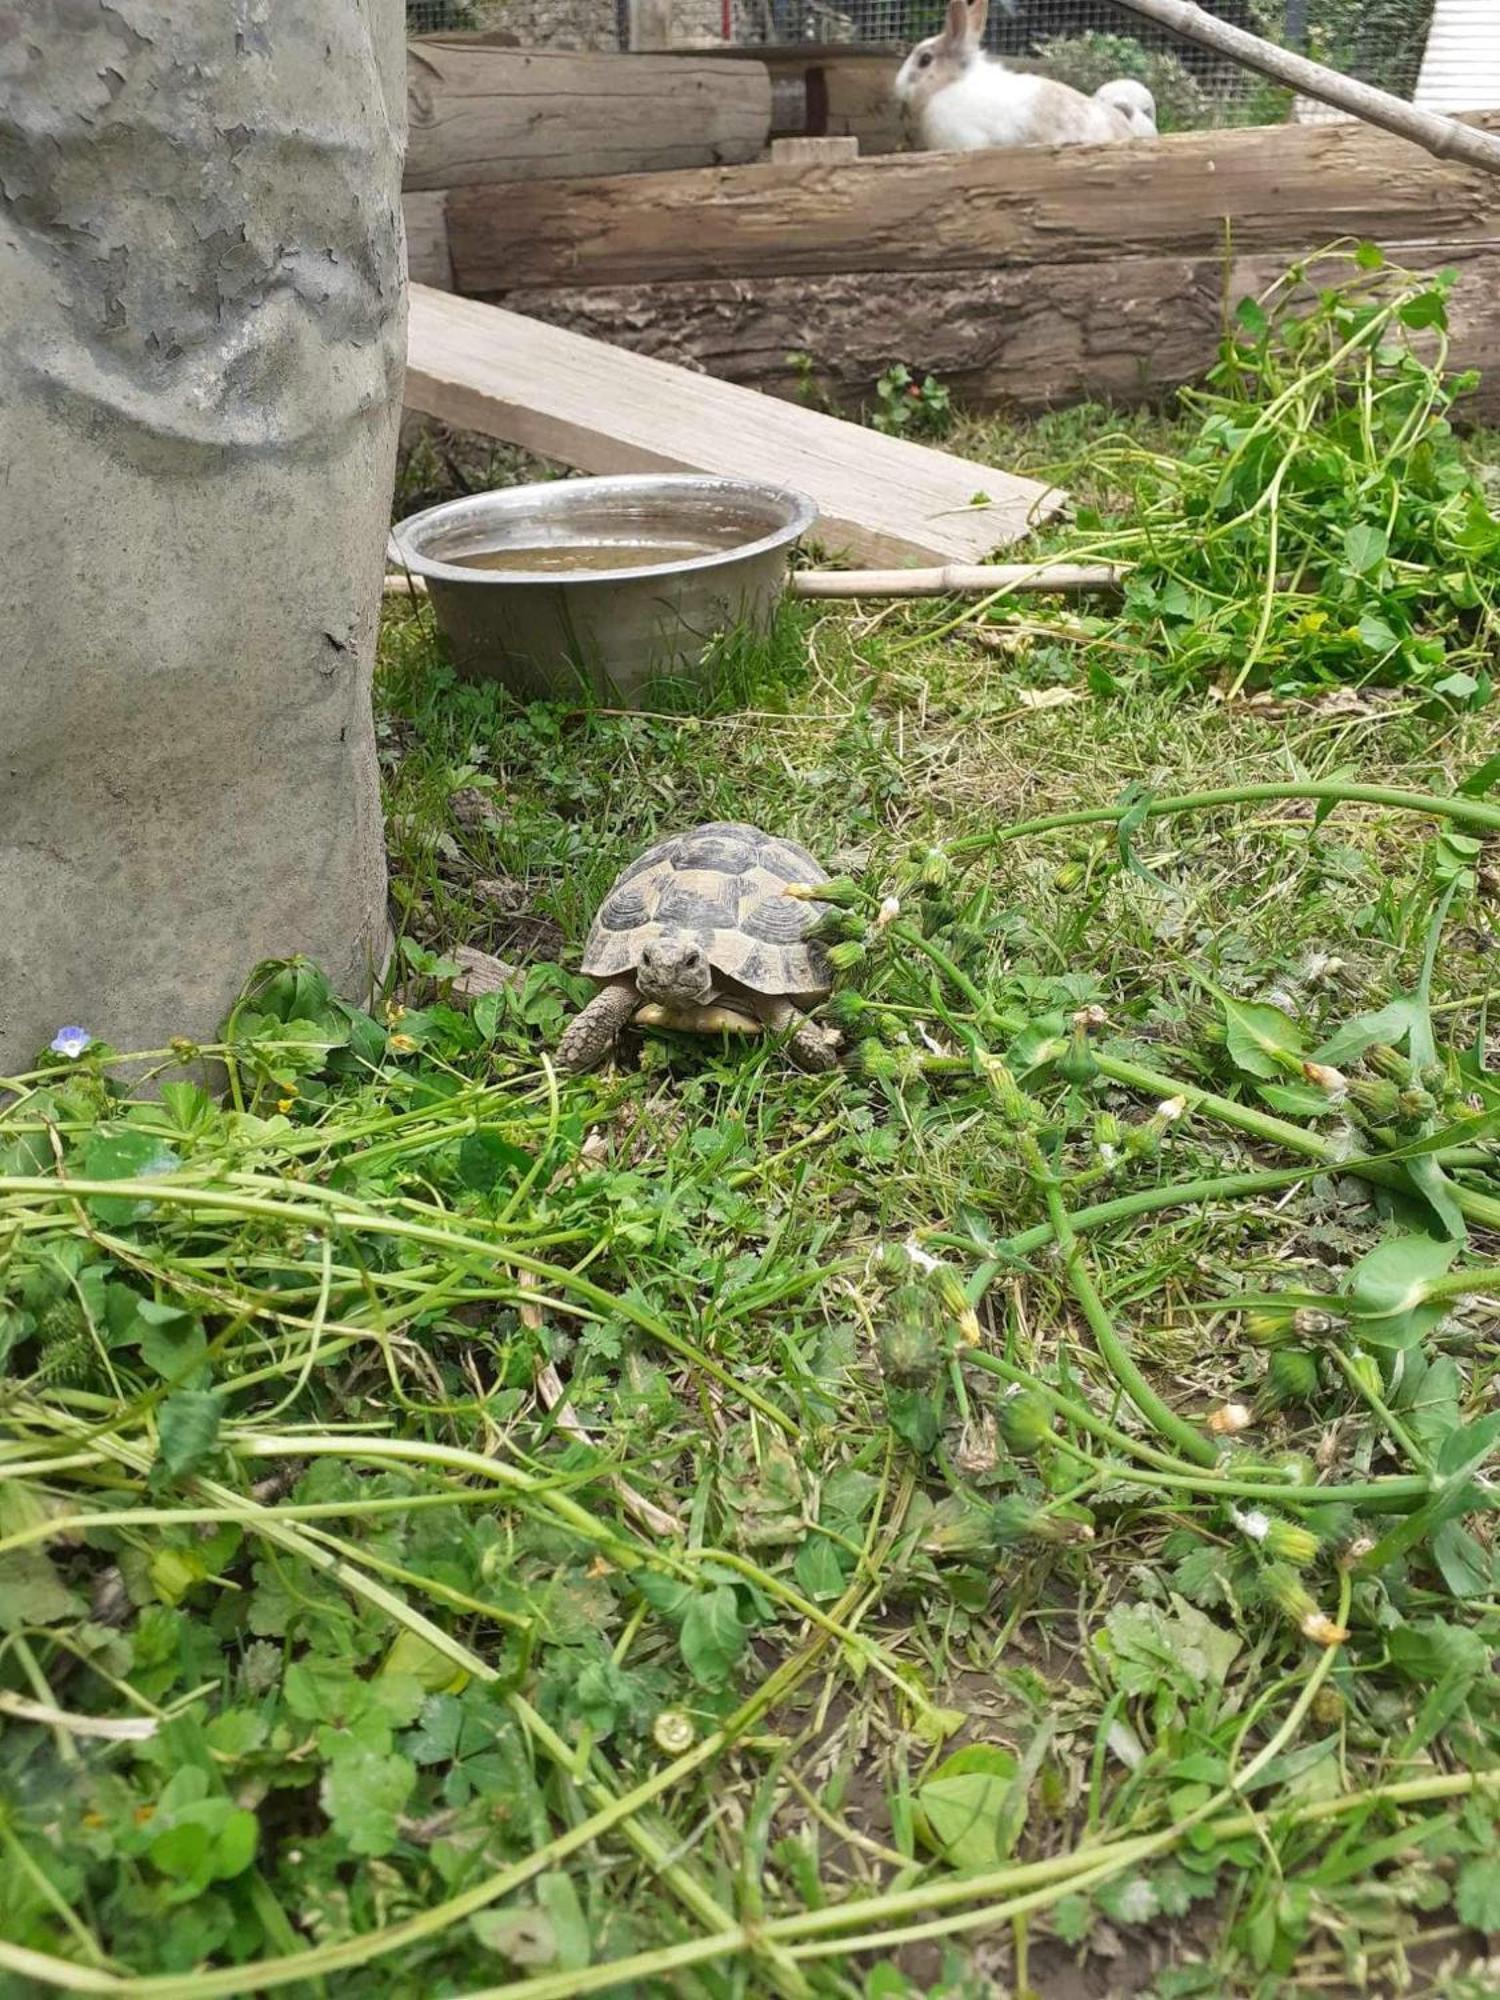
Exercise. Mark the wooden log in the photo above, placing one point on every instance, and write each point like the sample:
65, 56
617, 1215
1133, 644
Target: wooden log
1295, 187
427, 258
882, 500
479, 115
856, 98
814, 152
831, 89
1126, 332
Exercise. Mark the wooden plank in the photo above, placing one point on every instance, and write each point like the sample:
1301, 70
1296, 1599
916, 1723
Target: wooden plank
427, 259
478, 115
1265, 188
1127, 331
881, 500
1461, 63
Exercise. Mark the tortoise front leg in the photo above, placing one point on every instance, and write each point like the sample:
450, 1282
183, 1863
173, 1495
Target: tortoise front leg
809, 1046
589, 1038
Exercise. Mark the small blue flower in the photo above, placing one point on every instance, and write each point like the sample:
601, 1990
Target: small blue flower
70, 1042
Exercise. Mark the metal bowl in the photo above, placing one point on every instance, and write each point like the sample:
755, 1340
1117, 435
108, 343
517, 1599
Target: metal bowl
612, 618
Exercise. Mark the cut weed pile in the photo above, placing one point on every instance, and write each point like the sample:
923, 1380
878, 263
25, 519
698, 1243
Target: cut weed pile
1321, 526
1015, 1511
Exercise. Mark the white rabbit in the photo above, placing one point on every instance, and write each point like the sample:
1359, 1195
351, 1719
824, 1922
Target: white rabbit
960, 99
1134, 100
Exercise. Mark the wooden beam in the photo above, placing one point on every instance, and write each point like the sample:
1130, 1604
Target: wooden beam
427, 258
478, 115
881, 500
1291, 186
1126, 331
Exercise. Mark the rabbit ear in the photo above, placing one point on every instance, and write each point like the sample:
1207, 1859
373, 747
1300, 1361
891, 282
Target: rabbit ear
979, 13
956, 28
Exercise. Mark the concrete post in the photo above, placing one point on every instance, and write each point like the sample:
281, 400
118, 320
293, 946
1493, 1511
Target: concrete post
202, 332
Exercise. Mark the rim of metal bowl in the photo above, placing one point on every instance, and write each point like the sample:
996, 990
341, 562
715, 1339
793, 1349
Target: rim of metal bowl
802, 513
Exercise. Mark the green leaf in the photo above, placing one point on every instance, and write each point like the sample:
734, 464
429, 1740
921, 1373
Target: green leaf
1364, 547
558, 1899
363, 1793
485, 1160
234, 1733
170, 1339
1296, 1100
1435, 1188
1376, 633
1392, 1024
1261, 1039
1427, 309
1434, 1410
672, 1600
32, 1592
1476, 1895
961, 1806
1481, 781
1146, 1647
819, 1573
1388, 1289
1466, 1449
712, 1636
913, 1416
525, 1937
1425, 1650
1251, 316
1129, 1899
318, 1689
1137, 800
187, 1429
207, 1840
235, 1847
1073, 1918
124, 1156
1464, 1564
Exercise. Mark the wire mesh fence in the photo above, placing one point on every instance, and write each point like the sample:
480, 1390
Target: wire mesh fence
1084, 42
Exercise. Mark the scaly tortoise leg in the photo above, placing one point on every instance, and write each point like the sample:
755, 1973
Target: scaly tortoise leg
809, 1046
589, 1038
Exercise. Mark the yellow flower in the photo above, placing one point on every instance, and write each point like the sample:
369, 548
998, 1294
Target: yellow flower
403, 1045
284, 1104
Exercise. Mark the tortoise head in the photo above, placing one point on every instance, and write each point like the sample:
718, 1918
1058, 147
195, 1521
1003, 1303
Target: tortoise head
674, 970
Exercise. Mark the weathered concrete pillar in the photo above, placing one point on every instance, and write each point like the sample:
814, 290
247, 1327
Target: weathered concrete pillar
202, 330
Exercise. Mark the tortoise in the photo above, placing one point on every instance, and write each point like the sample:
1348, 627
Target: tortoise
700, 934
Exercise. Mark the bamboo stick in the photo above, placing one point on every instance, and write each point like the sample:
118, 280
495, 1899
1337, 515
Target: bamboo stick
1445, 138
951, 580
956, 579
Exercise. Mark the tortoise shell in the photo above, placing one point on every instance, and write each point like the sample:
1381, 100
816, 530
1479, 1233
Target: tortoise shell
722, 884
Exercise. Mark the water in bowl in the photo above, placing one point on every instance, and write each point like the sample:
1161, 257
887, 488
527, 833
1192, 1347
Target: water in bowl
557, 557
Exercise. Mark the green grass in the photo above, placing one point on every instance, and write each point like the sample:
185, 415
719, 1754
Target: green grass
806, 1655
